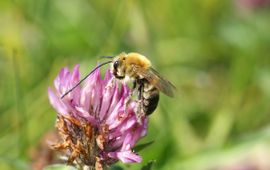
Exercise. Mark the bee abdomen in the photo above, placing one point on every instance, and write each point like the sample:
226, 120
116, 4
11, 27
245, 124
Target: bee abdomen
150, 100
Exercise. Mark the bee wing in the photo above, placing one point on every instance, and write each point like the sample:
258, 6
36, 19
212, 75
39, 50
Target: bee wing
157, 80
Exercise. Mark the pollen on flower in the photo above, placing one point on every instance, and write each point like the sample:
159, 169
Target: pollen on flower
96, 124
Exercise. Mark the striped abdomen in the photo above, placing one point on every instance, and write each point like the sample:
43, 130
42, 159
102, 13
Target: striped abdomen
150, 98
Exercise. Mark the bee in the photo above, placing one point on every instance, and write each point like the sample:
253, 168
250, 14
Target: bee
147, 82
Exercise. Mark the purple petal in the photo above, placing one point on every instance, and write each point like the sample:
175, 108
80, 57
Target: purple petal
117, 142
127, 124
125, 156
133, 134
108, 93
88, 91
92, 92
139, 132
108, 76
74, 79
127, 142
117, 115
97, 97
58, 105
84, 114
115, 99
86, 97
64, 77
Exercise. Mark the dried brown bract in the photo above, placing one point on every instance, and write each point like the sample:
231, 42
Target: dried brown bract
77, 141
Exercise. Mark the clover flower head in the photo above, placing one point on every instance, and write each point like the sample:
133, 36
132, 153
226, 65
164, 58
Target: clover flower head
96, 124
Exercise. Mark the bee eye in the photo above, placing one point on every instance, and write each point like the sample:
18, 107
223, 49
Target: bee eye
115, 64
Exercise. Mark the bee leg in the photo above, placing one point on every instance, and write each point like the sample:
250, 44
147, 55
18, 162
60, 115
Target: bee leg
131, 93
134, 85
127, 102
139, 111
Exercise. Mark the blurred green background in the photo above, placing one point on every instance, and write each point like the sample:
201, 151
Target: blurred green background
216, 52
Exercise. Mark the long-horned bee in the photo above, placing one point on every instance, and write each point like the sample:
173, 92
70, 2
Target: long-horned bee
146, 81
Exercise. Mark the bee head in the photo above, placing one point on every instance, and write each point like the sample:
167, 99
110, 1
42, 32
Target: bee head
118, 66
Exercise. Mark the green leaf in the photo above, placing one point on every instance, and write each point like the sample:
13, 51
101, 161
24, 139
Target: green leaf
59, 167
149, 165
116, 167
142, 146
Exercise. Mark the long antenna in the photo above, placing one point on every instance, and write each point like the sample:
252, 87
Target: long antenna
102, 64
106, 57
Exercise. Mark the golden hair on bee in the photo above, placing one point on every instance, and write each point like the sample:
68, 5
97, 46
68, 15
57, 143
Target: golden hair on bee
123, 65
146, 80
136, 58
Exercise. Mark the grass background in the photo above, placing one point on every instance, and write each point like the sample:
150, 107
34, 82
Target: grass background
216, 52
